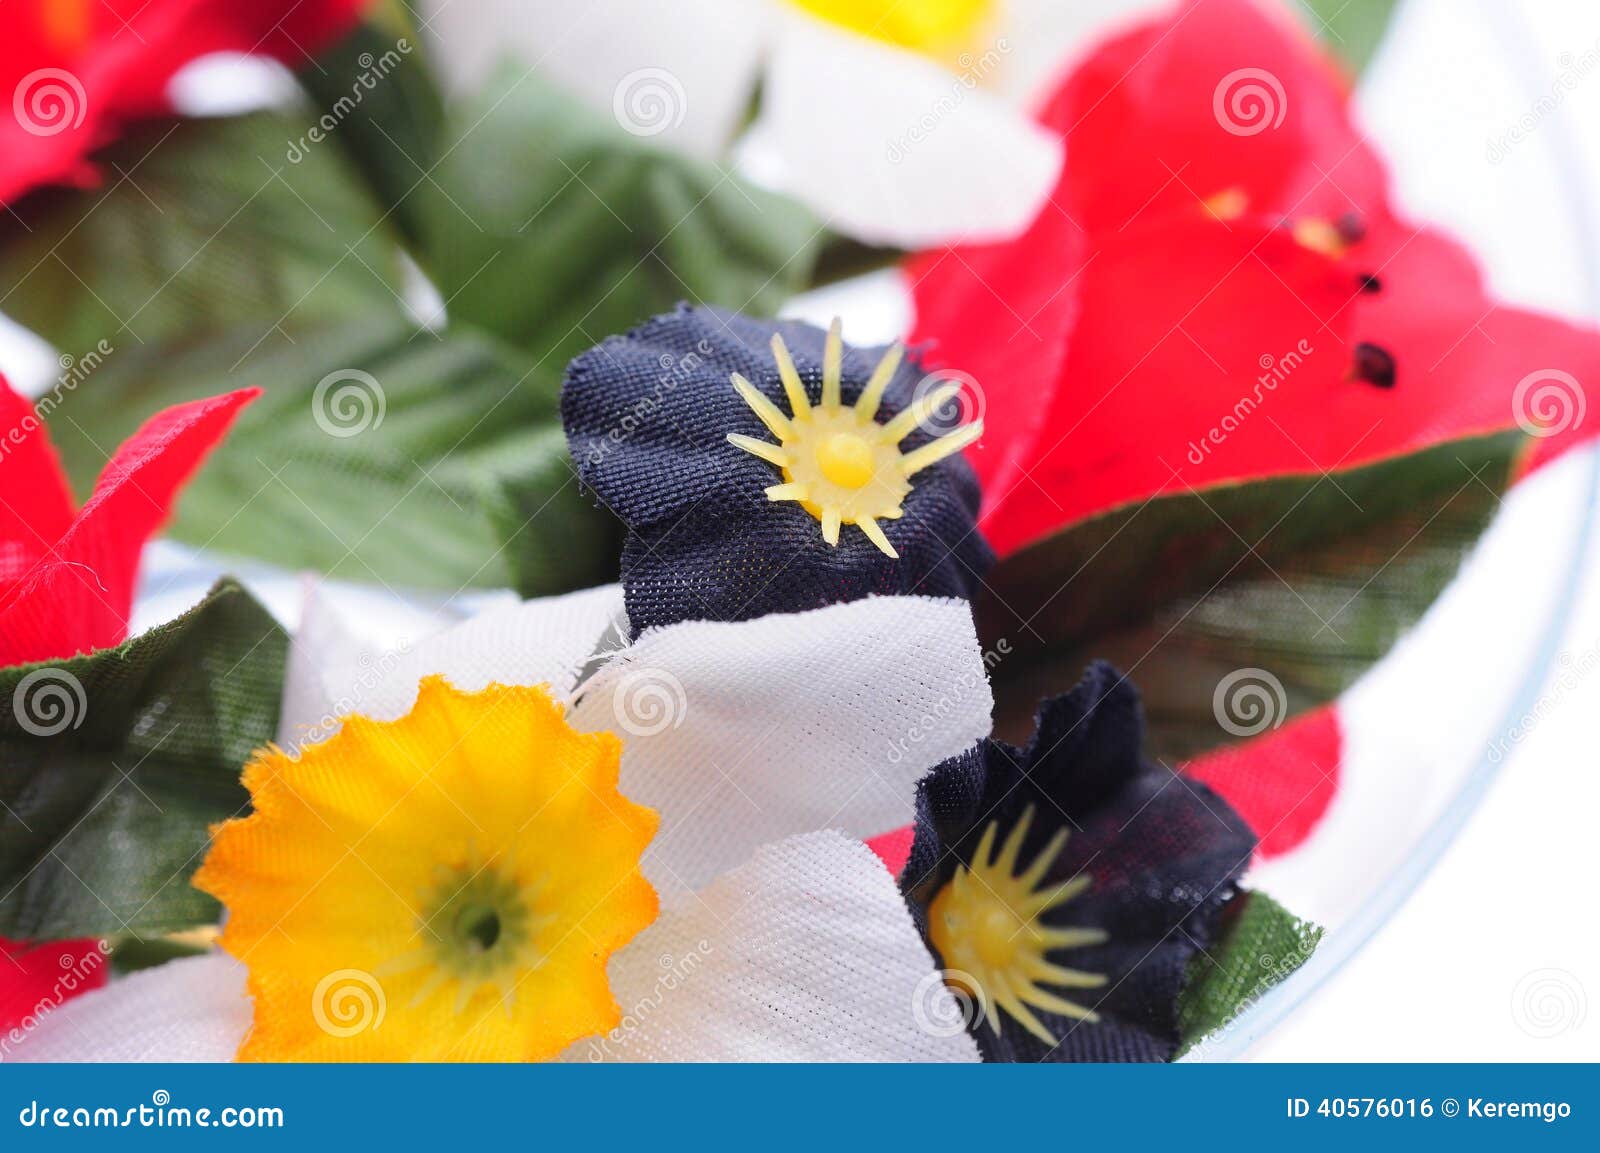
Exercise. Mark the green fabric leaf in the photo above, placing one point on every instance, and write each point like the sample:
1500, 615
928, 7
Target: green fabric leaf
376, 99
1309, 577
552, 228
1352, 28
201, 225
1262, 943
443, 465
116, 764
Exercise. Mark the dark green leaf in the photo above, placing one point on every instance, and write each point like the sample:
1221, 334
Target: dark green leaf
117, 763
201, 225
552, 228
377, 99
1262, 943
1310, 578
453, 471
1351, 27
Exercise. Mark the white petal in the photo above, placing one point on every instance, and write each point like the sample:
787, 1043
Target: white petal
678, 74
1046, 38
749, 732
1498, 99
894, 149
332, 673
806, 953
195, 1009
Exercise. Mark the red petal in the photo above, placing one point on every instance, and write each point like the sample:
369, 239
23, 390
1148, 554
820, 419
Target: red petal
35, 503
1280, 783
78, 597
35, 979
1001, 314
82, 78
893, 848
1222, 95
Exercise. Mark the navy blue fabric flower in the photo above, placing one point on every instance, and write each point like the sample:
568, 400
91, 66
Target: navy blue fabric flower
1065, 887
764, 467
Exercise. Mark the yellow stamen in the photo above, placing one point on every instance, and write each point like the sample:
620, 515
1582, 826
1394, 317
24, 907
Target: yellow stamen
838, 462
986, 925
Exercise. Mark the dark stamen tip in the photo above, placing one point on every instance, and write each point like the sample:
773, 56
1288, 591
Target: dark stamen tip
1370, 283
1374, 365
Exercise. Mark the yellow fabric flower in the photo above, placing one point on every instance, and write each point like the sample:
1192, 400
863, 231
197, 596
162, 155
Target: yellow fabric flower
935, 27
447, 886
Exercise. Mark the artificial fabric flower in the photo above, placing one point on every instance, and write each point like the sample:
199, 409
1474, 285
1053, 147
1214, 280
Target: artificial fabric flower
764, 467
66, 585
1221, 292
73, 71
1220, 244
475, 857
782, 940
884, 117
1066, 886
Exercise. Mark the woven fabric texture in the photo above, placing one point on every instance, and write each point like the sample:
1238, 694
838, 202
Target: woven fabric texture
1163, 854
647, 417
738, 734
806, 953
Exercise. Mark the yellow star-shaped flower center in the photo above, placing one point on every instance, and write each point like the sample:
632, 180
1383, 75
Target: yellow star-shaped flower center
838, 462
987, 925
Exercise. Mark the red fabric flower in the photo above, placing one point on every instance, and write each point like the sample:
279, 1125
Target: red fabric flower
1201, 249
66, 587
72, 71
1222, 234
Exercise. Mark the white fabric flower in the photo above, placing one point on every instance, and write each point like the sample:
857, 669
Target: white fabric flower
780, 937
894, 146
